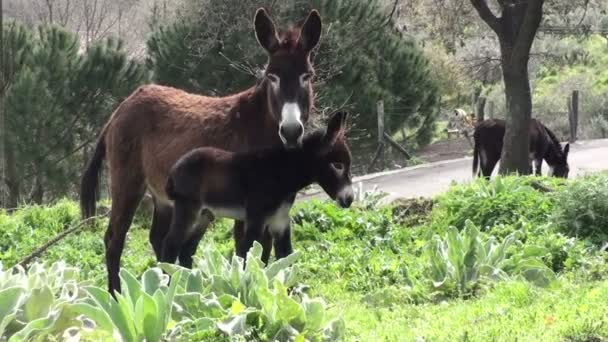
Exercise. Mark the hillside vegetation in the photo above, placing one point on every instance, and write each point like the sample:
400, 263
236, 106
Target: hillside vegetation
495, 260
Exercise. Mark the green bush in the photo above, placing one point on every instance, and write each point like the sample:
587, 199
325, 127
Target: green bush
503, 200
583, 209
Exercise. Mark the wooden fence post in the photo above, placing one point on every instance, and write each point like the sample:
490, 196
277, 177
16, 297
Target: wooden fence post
380, 149
573, 115
380, 113
480, 113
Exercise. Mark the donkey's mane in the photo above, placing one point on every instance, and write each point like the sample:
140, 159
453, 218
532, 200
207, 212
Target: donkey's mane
556, 144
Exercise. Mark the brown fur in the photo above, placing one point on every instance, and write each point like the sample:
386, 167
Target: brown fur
156, 125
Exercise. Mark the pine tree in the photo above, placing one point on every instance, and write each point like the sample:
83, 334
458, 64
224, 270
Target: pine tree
56, 102
211, 49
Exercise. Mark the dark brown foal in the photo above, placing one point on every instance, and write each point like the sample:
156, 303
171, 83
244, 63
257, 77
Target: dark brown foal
255, 187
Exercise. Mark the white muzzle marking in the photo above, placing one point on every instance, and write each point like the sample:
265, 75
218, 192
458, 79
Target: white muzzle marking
291, 115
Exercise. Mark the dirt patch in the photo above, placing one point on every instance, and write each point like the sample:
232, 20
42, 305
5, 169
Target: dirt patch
445, 149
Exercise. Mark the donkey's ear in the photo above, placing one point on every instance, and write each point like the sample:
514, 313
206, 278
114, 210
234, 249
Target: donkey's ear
265, 31
566, 151
311, 31
335, 127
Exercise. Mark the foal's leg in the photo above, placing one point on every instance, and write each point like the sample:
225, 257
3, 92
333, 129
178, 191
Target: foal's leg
184, 214
266, 245
161, 221
265, 240
190, 246
127, 192
282, 244
254, 231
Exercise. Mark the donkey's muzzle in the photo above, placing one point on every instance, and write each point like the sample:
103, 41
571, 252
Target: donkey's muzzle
291, 134
345, 197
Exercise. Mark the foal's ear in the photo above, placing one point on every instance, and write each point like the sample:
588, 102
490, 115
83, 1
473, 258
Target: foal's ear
335, 127
566, 150
311, 31
265, 31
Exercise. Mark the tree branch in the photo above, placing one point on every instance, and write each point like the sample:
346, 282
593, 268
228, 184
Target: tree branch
486, 14
527, 31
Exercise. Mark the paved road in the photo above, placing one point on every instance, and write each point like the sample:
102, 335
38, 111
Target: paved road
429, 179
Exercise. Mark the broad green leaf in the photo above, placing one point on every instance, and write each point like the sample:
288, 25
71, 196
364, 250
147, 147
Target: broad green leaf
10, 300
152, 280
234, 325
38, 304
147, 315
334, 330
273, 269
98, 315
195, 282
315, 313
288, 309
131, 286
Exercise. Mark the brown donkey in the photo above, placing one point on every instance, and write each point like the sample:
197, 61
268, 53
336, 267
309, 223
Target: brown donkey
255, 186
156, 125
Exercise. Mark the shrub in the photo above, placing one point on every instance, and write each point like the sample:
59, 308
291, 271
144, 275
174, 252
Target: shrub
503, 200
583, 209
461, 262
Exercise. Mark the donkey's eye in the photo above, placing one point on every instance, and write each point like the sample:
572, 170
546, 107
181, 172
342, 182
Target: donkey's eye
273, 78
304, 78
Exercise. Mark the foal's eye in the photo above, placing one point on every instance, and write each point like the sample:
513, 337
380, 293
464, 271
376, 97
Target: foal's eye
338, 166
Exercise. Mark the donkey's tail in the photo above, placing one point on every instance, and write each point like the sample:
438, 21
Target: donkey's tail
475, 156
90, 179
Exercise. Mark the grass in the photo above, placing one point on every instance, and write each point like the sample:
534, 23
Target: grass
372, 265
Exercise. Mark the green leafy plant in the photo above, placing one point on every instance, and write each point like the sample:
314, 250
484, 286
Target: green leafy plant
37, 304
252, 301
140, 313
583, 209
462, 261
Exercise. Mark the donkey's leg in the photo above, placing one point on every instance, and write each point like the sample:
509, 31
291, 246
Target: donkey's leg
184, 214
127, 192
282, 238
190, 246
238, 233
538, 164
488, 167
161, 221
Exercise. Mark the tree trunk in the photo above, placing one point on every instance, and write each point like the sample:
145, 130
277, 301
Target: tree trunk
515, 153
12, 178
516, 29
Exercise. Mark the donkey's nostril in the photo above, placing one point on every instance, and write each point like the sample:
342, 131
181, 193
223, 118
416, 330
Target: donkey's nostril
291, 132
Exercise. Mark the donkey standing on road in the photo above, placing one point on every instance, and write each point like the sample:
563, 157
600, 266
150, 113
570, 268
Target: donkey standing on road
255, 186
544, 144
156, 125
